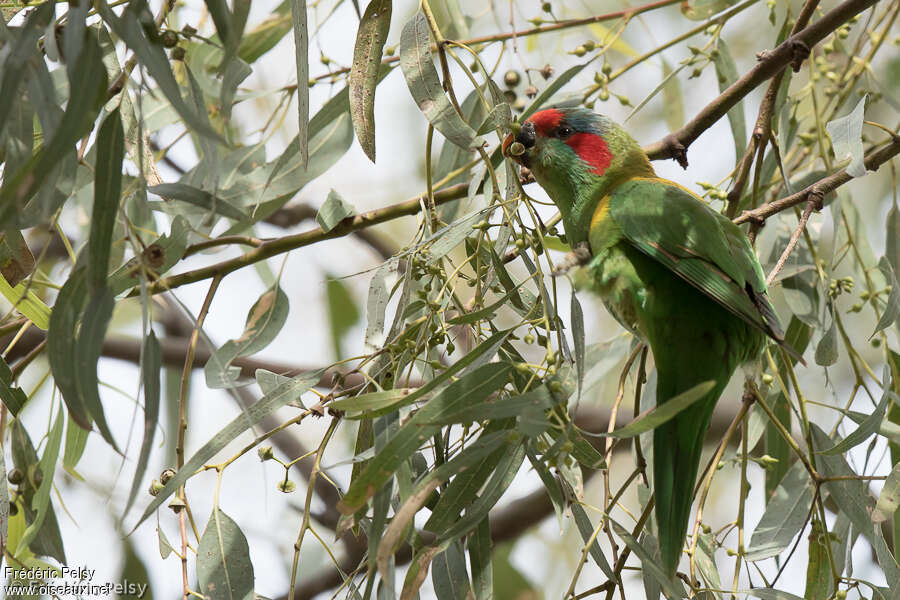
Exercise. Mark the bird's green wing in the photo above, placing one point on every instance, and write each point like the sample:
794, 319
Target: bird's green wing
671, 225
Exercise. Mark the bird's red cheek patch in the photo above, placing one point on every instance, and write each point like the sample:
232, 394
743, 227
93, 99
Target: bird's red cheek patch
593, 150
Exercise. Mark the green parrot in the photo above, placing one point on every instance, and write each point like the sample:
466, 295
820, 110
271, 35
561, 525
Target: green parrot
674, 272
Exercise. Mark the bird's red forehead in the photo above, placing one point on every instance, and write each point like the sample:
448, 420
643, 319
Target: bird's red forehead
546, 120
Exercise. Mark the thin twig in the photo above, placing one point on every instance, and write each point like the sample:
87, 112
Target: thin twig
813, 204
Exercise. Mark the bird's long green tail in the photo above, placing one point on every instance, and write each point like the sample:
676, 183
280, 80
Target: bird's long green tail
677, 448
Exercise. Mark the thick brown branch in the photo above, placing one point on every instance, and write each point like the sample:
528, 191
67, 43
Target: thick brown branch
770, 64
822, 187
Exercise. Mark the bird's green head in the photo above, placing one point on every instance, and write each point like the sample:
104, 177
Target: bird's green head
577, 156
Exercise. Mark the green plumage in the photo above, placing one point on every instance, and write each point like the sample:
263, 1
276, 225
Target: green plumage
670, 269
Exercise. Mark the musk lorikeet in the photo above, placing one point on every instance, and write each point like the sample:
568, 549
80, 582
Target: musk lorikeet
670, 269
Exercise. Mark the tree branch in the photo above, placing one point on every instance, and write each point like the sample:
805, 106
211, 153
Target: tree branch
763, 128
820, 188
770, 63
275, 246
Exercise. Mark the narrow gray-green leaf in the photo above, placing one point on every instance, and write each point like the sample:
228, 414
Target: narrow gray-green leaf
224, 570
889, 498
892, 241
370, 401
448, 574
655, 417
370, 38
76, 441
264, 320
578, 340
586, 529
334, 210
16, 259
466, 391
197, 197
107, 193
151, 363
662, 84
13, 397
61, 343
846, 138
153, 57
497, 120
851, 496
865, 429
673, 100
727, 73
301, 54
96, 317
464, 487
4, 506
671, 588
267, 34
479, 546
892, 308
380, 290
41, 501
221, 16
425, 85
785, 514
771, 594
887, 562
472, 361
488, 497
269, 403
78, 120
827, 350
20, 52
498, 408
165, 546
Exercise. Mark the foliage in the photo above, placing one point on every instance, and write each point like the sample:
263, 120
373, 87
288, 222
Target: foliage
125, 161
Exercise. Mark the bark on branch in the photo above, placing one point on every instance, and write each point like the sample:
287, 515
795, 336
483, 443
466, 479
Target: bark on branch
771, 63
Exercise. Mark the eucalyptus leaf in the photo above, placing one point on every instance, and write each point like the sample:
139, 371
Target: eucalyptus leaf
269, 403
334, 210
892, 308
586, 529
846, 138
264, 321
301, 54
670, 587
827, 349
370, 39
198, 197
727, 73
889, 498
224, 570
662, 413
151, 364
786, 513
425, 86
466, 391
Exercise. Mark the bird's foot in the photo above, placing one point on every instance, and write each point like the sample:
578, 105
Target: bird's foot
578, 257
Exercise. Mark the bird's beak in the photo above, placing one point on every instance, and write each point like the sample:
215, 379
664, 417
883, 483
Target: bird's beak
526, 136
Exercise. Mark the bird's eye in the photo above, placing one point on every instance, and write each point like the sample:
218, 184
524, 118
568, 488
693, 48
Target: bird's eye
564, 132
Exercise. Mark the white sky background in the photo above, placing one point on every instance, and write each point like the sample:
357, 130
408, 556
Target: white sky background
249, 493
